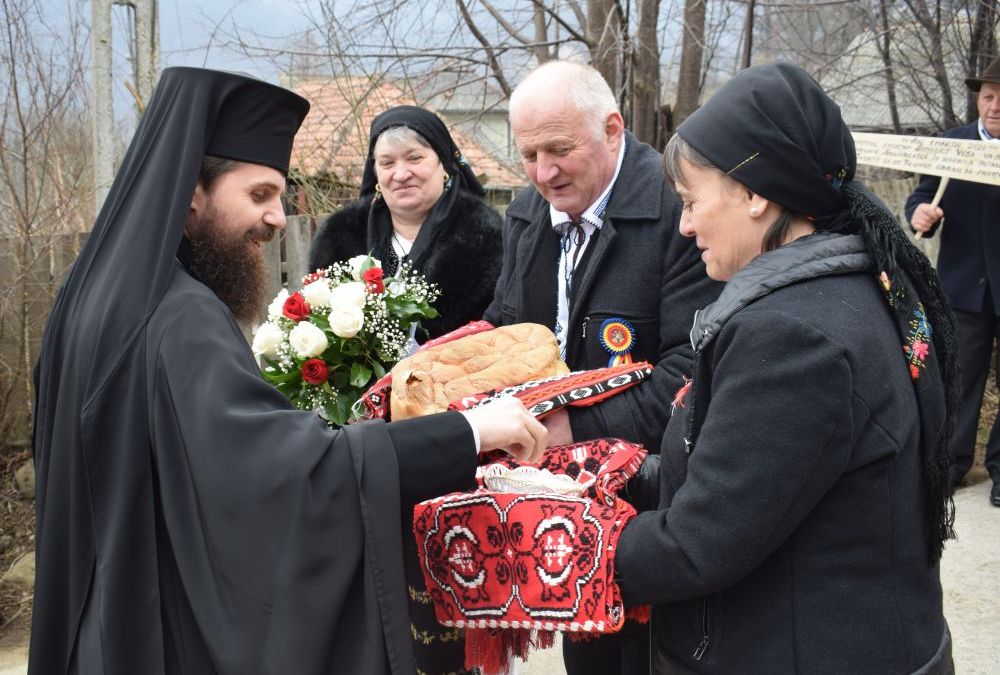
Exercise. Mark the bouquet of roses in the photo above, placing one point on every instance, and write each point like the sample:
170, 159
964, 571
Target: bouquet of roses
323, 346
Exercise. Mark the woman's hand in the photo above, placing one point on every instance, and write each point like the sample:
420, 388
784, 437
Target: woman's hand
507, 425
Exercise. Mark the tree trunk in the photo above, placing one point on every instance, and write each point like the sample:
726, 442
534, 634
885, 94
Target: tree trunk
982, 49
602, 34
890, 79
692, 47
932, 25
646, 76
541, 50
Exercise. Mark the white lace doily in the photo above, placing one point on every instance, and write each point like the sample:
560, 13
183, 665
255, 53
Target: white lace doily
526, 480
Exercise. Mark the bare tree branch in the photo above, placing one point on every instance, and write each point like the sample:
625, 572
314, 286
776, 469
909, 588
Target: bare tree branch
562, 22
490, 54
507, 26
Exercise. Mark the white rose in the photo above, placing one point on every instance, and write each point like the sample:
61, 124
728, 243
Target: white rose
357, 262
274, 310
351, 295
347, 321
307, 340
396, 288
317, 293
267, 339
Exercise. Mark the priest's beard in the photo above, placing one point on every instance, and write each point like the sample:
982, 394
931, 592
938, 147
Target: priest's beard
225, 259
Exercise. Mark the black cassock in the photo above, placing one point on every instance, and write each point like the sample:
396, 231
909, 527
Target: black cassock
189, 520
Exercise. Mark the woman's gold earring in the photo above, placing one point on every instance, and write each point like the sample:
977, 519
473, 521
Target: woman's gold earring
378, 192
446, 178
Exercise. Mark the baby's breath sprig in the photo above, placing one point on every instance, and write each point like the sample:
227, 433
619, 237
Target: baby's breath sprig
324, 346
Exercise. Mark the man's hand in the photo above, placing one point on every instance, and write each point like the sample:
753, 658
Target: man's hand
507, 425
560, 431
924, 217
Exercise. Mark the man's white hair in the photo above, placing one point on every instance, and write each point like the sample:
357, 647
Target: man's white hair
580, 85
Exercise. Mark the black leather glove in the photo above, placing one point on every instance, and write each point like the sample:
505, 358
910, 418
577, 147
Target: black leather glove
643, 490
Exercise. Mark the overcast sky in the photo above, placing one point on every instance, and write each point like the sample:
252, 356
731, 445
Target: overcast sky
200, 32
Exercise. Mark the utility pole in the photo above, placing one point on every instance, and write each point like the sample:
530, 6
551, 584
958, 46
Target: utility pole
748, 34
145, 70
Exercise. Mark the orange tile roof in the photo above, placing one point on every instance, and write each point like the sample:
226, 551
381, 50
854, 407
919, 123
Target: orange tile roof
333, 138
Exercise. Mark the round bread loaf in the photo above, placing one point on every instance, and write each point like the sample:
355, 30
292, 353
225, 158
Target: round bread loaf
432, 378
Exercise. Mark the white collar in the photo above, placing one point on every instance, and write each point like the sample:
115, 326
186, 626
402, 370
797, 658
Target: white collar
984, 134
595, 212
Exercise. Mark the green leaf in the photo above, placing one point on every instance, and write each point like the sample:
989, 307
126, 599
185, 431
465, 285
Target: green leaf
277, 378
379, 369
322, 321
360, 375
342, 411
331, 412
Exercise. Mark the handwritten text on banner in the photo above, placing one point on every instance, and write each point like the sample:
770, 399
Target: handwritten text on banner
976, 161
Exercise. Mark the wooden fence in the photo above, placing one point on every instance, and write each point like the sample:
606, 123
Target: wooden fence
287, 256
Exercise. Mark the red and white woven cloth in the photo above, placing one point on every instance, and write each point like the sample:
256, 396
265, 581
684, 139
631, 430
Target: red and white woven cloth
541, 397
579, 388
513, 569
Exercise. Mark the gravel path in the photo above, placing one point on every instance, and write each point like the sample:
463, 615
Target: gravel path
970, 573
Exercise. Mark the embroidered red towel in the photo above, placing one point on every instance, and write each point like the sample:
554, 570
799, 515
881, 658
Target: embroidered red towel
515, 568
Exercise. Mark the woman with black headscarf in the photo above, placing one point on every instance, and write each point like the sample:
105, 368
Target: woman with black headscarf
421, 202
804, 499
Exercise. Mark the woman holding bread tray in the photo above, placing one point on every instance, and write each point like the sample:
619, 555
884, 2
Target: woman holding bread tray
804, 499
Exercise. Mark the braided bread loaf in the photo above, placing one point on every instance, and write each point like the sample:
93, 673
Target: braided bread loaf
429, 380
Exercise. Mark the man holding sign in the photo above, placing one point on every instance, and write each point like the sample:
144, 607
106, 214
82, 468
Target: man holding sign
969, 268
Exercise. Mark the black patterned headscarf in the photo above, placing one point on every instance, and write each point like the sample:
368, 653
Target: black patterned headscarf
460, 179
773, 129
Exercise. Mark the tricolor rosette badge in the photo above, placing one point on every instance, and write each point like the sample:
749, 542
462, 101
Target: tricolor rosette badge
323, 346
617, 337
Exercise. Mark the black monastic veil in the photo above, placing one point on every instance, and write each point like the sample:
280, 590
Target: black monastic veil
189, 520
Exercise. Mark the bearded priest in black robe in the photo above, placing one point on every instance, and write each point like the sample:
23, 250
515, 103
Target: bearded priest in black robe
189, 520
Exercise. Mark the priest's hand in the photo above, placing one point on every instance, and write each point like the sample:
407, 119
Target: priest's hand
507, 425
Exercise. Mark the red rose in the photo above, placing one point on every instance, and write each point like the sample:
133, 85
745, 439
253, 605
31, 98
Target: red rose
314, 371
295, 307
373, 280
